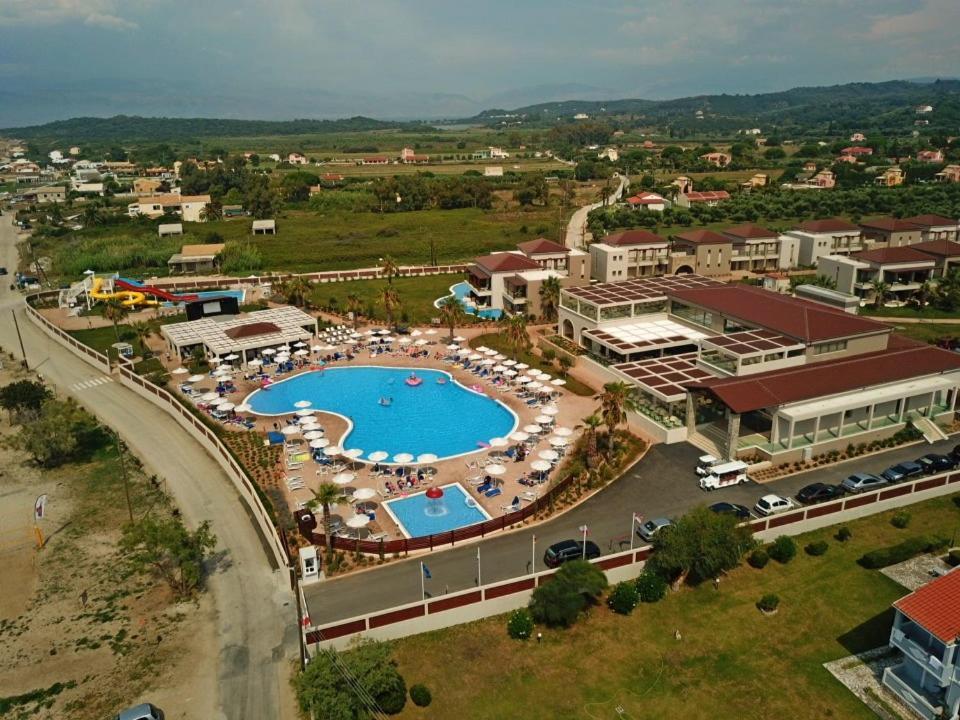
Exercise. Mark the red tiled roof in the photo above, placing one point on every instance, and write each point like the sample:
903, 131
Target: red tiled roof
251, 330
542, 246
803, 319
633, 237
828, 225
938, 248
882, 256
936, 607
857, 150
506, 262
707, 195
749, 231
702, 237
928, 221
831, 377
646, 199
888, 225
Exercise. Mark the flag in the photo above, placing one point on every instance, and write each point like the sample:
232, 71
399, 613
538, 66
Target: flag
426, 571
40, 508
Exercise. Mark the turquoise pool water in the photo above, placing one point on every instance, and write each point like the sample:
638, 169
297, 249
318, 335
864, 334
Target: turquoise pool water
209, 294
442, 418
418, 515
462, 291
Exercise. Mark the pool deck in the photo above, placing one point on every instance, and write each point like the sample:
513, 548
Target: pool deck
458, 469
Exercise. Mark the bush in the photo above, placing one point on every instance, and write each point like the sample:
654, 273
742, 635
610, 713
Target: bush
843, 534
624, 598
769, 602
956, 500
953, 558
759, 558
817, 548
876, 559
783, 549
560, 601
420, 695
900, 519
651, 587
519, 625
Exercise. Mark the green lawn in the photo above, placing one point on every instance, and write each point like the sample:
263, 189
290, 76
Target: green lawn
417, 296
929, 332
498, 342
907, 312
732, 662
102, 338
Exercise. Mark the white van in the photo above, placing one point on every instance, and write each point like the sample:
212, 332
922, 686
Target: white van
731, 473
705, 463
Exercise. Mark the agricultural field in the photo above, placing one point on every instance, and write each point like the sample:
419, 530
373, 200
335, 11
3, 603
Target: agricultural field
731, 660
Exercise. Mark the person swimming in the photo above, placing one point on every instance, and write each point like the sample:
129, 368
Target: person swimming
386, 401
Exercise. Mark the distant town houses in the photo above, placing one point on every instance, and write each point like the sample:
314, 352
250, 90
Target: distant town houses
410, 157
930, 156
648, 200
891, 177
857, 137
296, 158
189, 207
950, 174
717, 159
857, 151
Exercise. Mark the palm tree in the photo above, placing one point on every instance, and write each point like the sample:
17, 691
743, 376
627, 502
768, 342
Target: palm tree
616, 399
91, 215
298, 291
213, 210
114, 311
514, 327
881, 291
592, 423
452, 313
325, 496
924, 294
354, 305
389, 269
143, 330
389, 298
550, 298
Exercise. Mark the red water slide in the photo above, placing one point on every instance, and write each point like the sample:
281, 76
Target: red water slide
155, 291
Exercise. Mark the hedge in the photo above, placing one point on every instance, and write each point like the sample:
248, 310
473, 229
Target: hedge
882, 557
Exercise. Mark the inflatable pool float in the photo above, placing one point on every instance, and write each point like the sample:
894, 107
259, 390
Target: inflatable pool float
477, 389
413, 380
441, 381
470, 502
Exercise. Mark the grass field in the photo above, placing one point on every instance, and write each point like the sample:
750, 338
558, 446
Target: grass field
929, 332
417, 296
544, 165
732, 662
908, 312
498, 342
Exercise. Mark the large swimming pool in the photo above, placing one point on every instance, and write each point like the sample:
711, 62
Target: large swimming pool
418, 515
462, 292
443, 418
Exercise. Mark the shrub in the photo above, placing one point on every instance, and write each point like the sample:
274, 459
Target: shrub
759, 558
651, 587
769, 602
843, 534
519, 624
575, 586
956, 500
420, 695
953, 558
905, 550
783, 549
624, 598
900, 519
817, 548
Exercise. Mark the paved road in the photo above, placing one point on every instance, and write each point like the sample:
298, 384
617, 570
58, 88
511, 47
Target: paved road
662, 484
579, 220
256, 614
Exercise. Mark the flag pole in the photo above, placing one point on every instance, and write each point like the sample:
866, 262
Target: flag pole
423, 589
633, 527
533, 555
479, 581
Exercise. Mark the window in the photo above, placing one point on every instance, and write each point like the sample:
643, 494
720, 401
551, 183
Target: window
830, 347
796, 352
772, 357
750, 360
691, 314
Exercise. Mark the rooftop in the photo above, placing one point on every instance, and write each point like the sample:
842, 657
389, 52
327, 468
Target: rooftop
202, 250
795, 318
506, 262
828, 225
633, 237
707, 195
894, 255
936, 607
235, 333
938, 248
643, 335
748, 342
639, 289
889, 224
749, 231
665, 377
542, 246
702, 237
831, 377
174, 199
929, 221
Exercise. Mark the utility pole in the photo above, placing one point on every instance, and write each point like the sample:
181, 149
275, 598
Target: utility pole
123, 474
20, 338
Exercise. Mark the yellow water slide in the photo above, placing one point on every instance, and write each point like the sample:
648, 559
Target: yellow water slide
128, 298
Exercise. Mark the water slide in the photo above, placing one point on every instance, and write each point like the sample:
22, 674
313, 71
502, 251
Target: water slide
128, 298
137, 287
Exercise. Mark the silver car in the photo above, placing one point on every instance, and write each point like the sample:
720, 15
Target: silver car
144, 711
651, 527
861, 482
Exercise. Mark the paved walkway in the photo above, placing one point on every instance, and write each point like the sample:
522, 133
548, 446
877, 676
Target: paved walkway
256, 614
575, 228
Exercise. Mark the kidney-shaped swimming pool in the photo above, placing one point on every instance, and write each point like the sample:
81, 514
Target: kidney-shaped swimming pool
437, 416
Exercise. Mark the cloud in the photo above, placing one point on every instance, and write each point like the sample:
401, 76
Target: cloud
93, 13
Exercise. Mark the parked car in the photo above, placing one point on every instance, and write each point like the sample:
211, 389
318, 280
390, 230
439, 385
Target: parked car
565, 550
819, 492
902, 471
651, 527
861, 482
724, 475
772, 504
934, 463
742, 512
144, 711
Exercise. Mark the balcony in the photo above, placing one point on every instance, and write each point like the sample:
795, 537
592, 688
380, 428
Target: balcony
897, 681
478, 289
517, 298
915, 643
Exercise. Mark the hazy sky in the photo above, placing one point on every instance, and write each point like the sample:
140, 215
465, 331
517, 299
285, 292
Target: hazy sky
295, 58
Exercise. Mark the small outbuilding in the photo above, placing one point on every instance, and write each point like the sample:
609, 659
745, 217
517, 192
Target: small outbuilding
264, 227
170, 229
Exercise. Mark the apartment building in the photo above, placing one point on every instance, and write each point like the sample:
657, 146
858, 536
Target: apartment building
890, 232
629, 254
936, 227
189, 207
703, 252
831, 236
755, 248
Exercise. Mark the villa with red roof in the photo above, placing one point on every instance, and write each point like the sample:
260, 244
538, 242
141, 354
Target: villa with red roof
926, 630
744, 372
649, 200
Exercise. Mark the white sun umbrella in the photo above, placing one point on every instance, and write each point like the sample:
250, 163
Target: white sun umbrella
383, 332
290, 430
226, 407
268, 351
305, 412
281, 357
460, 338
318, 443
301, 353
255, 363
498, 442
378, 456
510, 373
353, 453
559, 382
243, 407
220, 401
524, 379
332, 450
550, 410
475, 356
562, 432
488, 362
231, 356
545, 377
558, 441
351, 341
421, 342
282, 348
498, 368
179, 371
451, 346
370, 332
196, 378
532, 429
430, 332
302, 404
499, 356
403, 458
415, 333
426, 458
214, 360
548, 455
344, 478
316, 348
313, 435
509, 363
495, 469
481, 349
535, 385
358, 522
207, 397
311, 426
364, 493
543, 419
540, 465
300, 344
490, 352
405, 341
520, 436
387, 339
355, 334
521, 366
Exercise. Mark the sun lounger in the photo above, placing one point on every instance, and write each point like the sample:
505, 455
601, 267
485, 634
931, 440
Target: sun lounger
294, 465
485, 487
529, 495
493, 492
